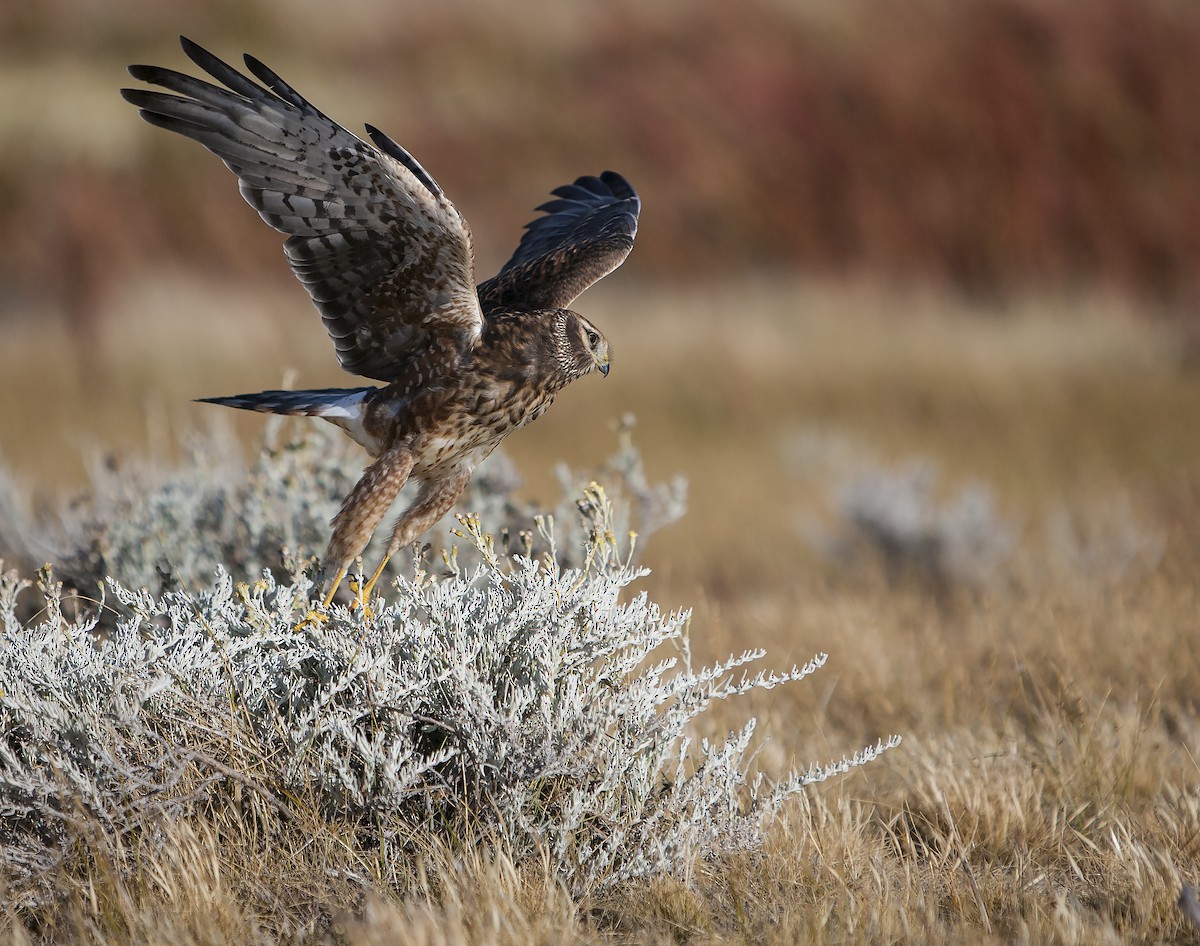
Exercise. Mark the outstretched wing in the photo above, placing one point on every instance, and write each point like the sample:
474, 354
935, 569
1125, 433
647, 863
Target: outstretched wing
384, 255
586, 233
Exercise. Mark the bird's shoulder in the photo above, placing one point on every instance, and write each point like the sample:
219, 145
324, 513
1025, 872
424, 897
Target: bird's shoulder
519, 341
517, 326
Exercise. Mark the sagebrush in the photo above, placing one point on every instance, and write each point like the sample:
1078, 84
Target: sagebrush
516, 701
167, 527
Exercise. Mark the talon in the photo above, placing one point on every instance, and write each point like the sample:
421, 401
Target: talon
313, 619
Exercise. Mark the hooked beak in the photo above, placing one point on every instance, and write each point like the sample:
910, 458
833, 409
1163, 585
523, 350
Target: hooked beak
603, 366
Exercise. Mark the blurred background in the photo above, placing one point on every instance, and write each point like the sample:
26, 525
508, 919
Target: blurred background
914, 308
977, 145
961, 231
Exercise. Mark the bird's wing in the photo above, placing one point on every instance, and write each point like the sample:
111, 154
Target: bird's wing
384, 255
586, 233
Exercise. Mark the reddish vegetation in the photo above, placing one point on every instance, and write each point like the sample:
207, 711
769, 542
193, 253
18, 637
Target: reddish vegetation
982, 144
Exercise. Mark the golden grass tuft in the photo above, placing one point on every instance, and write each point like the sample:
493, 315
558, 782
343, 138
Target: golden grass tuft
1048, 788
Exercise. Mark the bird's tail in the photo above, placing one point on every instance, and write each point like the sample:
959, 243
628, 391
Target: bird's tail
333, 403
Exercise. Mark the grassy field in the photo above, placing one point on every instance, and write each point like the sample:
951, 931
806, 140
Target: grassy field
986, 512
1047, 786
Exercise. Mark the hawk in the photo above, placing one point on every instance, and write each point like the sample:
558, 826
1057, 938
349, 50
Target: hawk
387, 260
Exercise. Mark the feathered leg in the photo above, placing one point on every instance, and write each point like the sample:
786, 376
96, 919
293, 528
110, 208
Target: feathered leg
359, 516
435, 499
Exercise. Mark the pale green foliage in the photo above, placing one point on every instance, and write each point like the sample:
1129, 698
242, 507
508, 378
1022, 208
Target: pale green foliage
512, 701
898, 514
164, 527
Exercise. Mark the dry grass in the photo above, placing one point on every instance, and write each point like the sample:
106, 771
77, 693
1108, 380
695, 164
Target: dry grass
1047, 787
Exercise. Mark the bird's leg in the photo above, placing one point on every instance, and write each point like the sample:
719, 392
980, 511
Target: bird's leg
362, 592
314, 618
437, 496
360, 515
370, 585
356, 584
337, 580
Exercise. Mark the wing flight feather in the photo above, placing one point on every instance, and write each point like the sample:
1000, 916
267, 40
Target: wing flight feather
384, 255
585, 233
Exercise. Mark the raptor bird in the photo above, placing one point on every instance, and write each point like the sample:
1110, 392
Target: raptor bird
388, 263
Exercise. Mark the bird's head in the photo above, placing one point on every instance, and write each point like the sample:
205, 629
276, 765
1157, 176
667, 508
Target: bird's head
581, 347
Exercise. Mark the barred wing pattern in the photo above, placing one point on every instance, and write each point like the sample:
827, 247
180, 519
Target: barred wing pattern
382, 252
586, 233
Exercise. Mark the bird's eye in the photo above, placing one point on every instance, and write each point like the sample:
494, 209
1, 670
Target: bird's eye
593, 339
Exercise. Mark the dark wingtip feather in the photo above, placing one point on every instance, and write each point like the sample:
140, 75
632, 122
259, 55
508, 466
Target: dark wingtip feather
616, 180
619, 185
193, 49
173, 123
198, 54
220, 70
271, 79
390, 147
264, 73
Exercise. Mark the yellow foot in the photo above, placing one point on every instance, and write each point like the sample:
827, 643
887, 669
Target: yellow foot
313, 619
